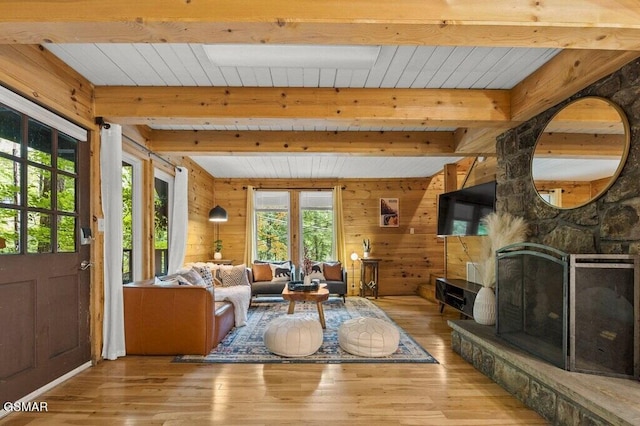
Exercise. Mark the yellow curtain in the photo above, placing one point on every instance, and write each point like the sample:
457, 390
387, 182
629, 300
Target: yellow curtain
338, 223
250, 229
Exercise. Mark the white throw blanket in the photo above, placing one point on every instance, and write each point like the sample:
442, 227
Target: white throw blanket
240, 297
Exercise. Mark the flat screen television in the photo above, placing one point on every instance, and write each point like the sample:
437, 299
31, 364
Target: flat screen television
460, 212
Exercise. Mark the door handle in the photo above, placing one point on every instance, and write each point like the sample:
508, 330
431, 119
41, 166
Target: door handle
85, 264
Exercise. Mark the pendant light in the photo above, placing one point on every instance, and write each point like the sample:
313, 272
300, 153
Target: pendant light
218, 214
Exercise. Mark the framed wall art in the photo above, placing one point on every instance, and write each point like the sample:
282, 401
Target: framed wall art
389, 213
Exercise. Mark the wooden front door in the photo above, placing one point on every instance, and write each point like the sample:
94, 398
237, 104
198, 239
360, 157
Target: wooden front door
44, 294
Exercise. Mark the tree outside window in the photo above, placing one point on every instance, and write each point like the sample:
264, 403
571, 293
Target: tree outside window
317, 230
127, 222
161, 226
272, 225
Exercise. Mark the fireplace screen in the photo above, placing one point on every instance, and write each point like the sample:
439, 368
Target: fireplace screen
579, 312
531, 293
603, 315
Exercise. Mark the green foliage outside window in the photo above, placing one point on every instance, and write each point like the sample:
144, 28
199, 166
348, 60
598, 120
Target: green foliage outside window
127, 222
30, 209
317, 234
127, 206
161, 217
161, 226
273, 235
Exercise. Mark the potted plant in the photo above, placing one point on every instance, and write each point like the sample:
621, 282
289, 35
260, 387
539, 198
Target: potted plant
503, 229
366, 247
217, 255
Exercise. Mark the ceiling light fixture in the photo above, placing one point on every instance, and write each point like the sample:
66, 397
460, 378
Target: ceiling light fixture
289, 55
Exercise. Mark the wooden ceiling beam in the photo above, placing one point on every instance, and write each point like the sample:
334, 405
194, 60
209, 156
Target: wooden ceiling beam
561, 77
606, 24
566, 74
480, 141
298, 142
213, 105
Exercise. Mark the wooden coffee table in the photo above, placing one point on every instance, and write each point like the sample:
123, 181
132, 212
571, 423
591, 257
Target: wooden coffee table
317, 296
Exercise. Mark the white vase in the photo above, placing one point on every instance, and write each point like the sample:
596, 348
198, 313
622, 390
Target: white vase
307, 279
366, 255
484, 307
217, 255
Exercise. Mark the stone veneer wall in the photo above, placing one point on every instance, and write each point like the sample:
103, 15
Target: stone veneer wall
561, 397
610, 224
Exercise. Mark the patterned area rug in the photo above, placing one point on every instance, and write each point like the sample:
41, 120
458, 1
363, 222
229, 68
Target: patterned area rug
246, 345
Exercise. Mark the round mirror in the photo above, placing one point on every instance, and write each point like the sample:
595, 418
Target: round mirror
580, 152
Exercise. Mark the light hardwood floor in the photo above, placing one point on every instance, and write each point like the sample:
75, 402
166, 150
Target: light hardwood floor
153, 391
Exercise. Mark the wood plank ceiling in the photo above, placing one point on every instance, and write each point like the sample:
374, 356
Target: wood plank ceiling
447, 79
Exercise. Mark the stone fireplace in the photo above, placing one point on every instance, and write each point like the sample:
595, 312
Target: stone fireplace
609, 225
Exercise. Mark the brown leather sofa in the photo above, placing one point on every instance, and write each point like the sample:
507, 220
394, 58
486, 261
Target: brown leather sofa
174, 319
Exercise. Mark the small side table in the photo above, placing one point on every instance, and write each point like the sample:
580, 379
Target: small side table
369, 276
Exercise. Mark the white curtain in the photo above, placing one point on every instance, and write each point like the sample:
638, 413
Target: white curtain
111, 189
179, 220
250, 228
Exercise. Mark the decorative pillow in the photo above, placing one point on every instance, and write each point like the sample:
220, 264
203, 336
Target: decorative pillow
332, 271
173, 279
234, 275
280, 271
205, 273
191, 276
316, 271
261, 272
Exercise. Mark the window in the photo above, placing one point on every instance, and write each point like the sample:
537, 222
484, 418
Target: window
131, 219
276, 221
316, 225
38, 186
272, 225
161, 201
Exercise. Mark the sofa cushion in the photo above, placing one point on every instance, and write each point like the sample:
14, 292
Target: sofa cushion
234, 275
317, 271
205, 273
280, 272
192, 277
261, 272
332, 271
172, 279
183, 277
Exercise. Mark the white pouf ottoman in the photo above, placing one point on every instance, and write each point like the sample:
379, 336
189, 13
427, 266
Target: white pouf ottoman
368, 337
293, 336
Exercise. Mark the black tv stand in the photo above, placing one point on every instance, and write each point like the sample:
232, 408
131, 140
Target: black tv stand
458, 294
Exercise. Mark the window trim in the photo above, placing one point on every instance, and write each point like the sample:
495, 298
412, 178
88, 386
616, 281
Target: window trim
295, 238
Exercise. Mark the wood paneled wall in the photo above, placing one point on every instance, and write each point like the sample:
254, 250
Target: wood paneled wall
407, 259
201, 199
462, 249
459, 251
